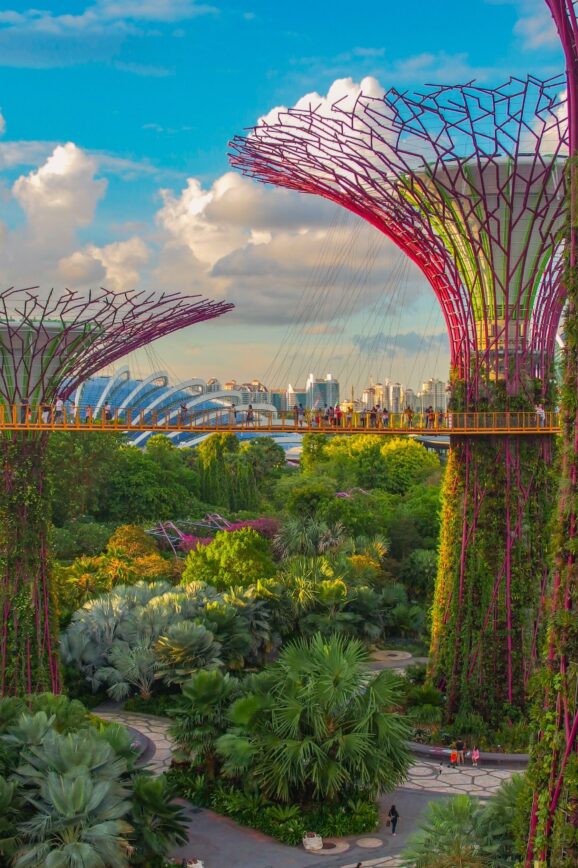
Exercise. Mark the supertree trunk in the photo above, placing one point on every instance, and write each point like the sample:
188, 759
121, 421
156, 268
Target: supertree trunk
553, 839
28, 658
491, 574
49, 345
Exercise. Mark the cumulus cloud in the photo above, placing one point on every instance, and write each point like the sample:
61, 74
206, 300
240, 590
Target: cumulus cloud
264, 247
117, 265
58, 198
341, 96
61, 196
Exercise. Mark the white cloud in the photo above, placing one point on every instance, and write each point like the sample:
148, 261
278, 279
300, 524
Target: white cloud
42, 39
535, 26
106, 12
341, 96
118, 265
62, 194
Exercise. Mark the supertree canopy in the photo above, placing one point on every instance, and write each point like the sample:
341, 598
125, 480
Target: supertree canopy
470, 183
48, 345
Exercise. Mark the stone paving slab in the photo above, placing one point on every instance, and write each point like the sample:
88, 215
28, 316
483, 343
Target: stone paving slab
154, 728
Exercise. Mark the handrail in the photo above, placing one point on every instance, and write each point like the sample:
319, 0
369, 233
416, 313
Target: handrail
47, 418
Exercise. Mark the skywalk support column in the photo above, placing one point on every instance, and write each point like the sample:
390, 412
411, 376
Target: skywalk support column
553, 772
469, 182
29, 640
49, 344
492, 572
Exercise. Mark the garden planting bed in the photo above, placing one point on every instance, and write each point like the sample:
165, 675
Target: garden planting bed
487, 758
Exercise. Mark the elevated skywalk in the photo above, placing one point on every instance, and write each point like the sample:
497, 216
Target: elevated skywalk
111, 419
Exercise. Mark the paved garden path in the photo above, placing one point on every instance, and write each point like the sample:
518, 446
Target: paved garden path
221, 843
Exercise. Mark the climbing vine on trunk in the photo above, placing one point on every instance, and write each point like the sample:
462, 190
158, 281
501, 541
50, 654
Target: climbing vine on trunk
28, 643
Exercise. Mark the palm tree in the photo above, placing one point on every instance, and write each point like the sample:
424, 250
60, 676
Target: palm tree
318, 725
158, 823
200, 717
307, 536
128, 668
452, 835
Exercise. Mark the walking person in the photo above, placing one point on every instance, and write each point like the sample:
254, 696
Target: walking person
296, 414
393, 818
183, 413
541, 415
24, 411
46, 411
301, 415
408, 414
59, 411
385, 418
250, 416
107, 412
475, 756
88, 414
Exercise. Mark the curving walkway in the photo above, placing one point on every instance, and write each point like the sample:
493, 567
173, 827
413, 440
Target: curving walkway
219, 841
157, 757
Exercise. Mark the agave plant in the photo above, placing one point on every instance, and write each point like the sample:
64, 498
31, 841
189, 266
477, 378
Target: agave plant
184, 649
77, 788
77, 821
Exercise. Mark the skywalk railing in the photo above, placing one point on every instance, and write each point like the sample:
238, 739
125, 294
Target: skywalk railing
44, 417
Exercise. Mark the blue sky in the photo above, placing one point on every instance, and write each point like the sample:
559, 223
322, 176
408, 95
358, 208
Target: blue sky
106, 104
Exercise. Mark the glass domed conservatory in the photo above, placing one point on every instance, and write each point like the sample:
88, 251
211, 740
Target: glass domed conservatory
153, 397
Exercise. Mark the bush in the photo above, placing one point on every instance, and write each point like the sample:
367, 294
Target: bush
287, 823
69, 787
235, 559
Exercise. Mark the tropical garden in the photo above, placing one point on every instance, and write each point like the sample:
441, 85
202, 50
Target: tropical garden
255, 637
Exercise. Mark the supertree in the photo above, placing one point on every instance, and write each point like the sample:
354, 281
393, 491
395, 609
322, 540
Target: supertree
49, 344
553, 838
470, 184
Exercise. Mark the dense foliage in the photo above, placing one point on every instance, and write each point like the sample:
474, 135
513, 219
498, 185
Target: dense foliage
71, 795
492, 568
464, 832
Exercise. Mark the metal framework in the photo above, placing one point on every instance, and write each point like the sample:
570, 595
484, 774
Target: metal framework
49, 344
470, 183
